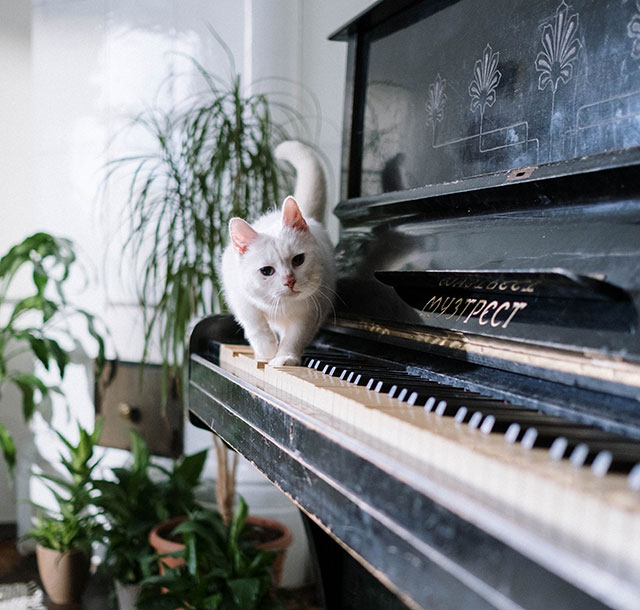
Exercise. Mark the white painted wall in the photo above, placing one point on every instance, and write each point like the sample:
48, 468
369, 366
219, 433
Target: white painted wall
70, 74
16, 195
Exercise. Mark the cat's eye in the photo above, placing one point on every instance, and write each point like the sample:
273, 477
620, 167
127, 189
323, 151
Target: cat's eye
267, 270
297, 260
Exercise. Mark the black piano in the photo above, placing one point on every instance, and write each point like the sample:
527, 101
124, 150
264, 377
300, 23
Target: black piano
465, 431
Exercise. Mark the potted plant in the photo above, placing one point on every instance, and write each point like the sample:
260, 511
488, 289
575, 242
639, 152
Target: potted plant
264, 534
213, 159
64, 535
31, 324
216, 566
131, 502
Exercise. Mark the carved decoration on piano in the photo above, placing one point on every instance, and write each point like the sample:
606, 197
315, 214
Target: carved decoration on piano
486, 78
436, 99
561, 48
493, 103
633, 31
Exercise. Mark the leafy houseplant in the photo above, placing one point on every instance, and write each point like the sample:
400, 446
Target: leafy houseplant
133, 501
33, 324
221, 568
64, 536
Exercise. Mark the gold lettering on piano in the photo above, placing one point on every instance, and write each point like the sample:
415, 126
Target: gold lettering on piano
497, 314
478, 283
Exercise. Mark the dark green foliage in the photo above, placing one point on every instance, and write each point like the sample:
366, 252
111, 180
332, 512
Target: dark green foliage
33, 323
72, 525
223, 569
134, 501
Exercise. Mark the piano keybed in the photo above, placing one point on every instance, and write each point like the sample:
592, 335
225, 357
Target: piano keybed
569, 479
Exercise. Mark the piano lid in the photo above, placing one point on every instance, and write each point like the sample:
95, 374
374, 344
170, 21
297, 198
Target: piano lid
495, 137
456, 90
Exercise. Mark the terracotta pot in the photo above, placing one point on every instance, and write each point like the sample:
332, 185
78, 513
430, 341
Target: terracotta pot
281, 543
64, 576
159, 540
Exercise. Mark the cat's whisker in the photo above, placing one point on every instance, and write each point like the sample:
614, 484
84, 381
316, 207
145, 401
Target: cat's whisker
329, 300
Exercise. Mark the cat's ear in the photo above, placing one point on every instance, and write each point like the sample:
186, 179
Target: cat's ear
242, 234
292, 216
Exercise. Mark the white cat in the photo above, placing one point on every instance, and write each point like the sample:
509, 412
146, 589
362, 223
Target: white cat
278, 275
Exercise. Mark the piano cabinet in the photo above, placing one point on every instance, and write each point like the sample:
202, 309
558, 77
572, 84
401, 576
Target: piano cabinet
464, 433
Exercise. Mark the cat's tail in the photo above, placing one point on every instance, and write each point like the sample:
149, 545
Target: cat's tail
311, 182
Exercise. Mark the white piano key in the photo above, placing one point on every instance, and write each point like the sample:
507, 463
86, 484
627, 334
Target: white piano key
525, 481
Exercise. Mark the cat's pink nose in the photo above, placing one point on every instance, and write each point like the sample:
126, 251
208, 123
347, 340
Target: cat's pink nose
290, 281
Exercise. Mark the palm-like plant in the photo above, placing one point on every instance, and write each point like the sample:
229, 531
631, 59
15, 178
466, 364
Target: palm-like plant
212, 160
72, 525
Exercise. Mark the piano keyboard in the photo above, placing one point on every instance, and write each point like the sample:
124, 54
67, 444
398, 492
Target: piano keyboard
570, 479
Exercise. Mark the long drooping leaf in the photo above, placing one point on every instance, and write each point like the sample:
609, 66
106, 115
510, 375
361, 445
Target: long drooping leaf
213, 159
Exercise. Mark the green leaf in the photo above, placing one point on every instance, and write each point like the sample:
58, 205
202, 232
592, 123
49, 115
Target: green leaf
40, 348
40, 279
8, 447
28, 384
61, 357
238, 523
245, 592
190, 468
212, 602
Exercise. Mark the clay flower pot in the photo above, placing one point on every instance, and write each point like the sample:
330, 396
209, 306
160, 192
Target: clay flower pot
280, 540
64, 576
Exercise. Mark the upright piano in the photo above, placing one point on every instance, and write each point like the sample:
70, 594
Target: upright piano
464, 432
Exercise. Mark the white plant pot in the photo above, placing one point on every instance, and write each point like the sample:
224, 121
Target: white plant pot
127, 595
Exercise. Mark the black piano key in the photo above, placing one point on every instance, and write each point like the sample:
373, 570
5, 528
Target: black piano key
542, 434
499, 419
624, 454
582, 445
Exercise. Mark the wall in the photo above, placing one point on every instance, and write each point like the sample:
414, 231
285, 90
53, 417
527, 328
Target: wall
15, 181
73, 72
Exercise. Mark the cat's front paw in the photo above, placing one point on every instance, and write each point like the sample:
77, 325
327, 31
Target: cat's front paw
264, 347
285, 360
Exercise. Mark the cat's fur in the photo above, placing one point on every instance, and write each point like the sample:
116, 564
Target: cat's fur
279, 300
